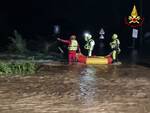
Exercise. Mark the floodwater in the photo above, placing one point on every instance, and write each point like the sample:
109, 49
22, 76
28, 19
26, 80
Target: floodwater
78, 88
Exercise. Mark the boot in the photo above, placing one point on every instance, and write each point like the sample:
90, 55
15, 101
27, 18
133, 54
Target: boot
114, 61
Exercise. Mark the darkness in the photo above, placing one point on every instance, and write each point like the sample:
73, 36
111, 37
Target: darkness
34, 18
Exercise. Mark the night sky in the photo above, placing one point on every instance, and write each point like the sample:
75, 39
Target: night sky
36, 17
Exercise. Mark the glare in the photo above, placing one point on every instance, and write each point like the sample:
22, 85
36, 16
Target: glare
56, 29
86, 34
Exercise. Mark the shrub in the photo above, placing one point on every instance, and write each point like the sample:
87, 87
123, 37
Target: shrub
18, 44
23, 67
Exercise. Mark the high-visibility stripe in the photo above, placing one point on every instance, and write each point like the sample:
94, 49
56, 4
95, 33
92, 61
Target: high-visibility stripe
73, 46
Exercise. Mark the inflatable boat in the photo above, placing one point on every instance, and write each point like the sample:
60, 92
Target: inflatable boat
94, 59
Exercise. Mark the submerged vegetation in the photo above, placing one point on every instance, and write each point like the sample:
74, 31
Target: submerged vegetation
23, 56
16, 67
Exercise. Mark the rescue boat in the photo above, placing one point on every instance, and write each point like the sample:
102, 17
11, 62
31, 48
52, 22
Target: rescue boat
94, 59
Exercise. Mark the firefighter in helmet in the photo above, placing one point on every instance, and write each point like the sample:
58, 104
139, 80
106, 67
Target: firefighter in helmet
115, 47
73, 46
89, 43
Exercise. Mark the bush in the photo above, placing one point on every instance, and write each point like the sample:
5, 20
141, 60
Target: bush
24, 67
18, 44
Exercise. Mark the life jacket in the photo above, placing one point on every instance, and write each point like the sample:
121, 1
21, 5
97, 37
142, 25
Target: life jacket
115, 44
88, 44
73, 45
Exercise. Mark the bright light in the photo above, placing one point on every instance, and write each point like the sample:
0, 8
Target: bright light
56, 29
86, 34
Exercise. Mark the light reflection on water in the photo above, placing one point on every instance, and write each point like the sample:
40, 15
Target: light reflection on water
87, 85
75, 88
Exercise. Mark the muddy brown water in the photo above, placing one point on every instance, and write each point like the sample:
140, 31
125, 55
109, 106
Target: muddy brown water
78, 89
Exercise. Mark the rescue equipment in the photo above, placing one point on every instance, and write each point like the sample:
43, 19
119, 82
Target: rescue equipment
94, 59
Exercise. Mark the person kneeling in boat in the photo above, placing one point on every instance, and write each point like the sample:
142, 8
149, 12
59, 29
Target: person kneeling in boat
89, 43
73, 46
115, 48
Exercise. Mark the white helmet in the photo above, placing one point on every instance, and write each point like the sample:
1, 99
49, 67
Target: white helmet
87, 36
115, 36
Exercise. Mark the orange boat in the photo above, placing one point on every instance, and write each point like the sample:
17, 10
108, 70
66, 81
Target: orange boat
94, 59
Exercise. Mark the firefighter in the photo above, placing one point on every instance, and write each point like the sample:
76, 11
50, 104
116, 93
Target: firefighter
89, 44
73, 46
115, 47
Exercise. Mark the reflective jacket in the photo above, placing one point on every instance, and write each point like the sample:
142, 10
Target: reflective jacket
90, 44
115, 44
73, 46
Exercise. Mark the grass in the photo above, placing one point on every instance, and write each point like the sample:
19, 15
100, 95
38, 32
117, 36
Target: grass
17, 64
18, 67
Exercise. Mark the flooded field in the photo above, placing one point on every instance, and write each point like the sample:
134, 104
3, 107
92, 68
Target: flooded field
78, 89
